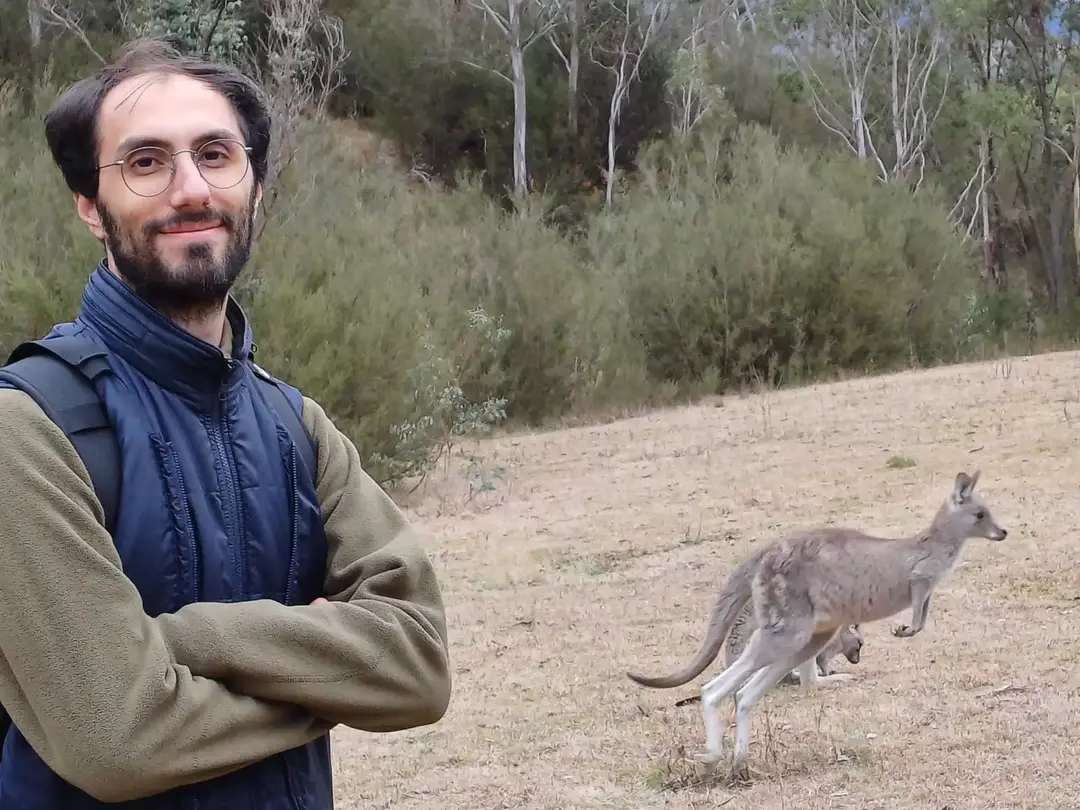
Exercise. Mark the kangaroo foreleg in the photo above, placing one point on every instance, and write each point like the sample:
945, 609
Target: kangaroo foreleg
920, 607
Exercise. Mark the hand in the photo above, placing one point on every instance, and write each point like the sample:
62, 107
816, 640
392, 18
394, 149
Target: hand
320, 601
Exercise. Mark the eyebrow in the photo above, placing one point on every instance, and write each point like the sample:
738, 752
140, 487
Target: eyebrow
139, 141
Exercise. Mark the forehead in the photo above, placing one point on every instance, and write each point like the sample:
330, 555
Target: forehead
165, 109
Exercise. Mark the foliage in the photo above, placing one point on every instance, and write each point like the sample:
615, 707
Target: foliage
213, 29
440, 412
755, 261
746, 239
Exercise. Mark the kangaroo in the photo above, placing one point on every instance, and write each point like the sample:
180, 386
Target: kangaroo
806, 586
847, 642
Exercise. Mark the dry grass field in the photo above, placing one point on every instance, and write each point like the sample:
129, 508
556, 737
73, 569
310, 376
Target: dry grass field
570, 556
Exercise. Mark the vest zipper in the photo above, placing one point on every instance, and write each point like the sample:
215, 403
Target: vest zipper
295, 537
231, 501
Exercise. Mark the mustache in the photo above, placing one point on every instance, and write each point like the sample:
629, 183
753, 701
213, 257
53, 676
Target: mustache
193, 217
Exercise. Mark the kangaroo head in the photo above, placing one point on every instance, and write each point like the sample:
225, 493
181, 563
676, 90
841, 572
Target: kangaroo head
851, 642
966, 512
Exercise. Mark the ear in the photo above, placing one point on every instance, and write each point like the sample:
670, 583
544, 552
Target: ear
964, 485
974, 481
88, 213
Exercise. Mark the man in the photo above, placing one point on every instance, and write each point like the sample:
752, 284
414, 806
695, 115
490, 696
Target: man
243, 605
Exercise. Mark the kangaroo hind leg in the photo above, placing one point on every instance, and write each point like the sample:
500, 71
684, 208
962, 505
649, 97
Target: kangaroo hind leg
792, 648
714, 692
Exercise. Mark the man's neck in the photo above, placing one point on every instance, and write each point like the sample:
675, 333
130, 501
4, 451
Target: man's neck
207, 326
206, 323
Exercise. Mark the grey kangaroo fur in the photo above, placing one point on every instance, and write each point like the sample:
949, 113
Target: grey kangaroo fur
806, 586
847, 642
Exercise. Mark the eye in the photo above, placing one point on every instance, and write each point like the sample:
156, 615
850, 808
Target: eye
980, 515
145, 161
214, 155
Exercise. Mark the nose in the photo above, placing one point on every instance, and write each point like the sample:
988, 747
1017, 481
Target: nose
188, 189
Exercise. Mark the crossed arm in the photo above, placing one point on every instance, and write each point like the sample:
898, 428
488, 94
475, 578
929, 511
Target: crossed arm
123, 705
374, 656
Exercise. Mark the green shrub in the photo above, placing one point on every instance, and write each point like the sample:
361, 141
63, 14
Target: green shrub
760, 262
47, 252
364, 284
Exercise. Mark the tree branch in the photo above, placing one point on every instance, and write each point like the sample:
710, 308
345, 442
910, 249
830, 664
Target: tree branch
64, 17
498, 73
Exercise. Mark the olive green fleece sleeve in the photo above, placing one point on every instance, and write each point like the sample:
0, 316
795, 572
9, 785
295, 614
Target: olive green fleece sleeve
88, 678
375, 656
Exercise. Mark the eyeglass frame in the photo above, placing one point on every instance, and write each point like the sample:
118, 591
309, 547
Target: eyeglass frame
172, 169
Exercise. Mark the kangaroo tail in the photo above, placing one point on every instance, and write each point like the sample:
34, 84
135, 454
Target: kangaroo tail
736, 593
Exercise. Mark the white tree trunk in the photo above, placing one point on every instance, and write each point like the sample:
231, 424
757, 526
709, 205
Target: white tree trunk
548, 14
575, 65
626, 70
33, 17
1075, 169
613, 113
521, 121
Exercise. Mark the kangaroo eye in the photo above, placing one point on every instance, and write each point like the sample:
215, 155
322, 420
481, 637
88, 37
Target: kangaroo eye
980, 515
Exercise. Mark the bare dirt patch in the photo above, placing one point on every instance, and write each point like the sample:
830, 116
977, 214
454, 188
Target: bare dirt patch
570, 556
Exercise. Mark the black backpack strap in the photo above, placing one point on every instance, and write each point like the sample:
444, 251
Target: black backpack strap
58, 372
289, 413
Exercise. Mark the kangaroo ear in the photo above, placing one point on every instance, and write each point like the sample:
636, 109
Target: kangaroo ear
964, 485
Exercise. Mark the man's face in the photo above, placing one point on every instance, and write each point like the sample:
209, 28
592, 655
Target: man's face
183, 249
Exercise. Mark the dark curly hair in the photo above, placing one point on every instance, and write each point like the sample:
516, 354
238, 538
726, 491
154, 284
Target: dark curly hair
71, 124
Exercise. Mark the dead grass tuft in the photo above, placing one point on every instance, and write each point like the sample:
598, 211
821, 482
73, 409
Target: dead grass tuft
600, 548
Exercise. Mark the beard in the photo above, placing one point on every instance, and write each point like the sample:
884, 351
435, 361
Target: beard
200, 283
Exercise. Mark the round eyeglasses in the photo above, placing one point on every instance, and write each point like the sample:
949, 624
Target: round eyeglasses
149, 170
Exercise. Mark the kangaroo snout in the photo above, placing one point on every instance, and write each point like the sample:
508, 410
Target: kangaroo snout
999, 535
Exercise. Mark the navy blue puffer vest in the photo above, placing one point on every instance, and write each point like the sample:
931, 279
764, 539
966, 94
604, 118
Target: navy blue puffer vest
199, 447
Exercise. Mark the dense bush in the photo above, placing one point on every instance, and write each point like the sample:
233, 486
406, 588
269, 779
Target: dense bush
763, 262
